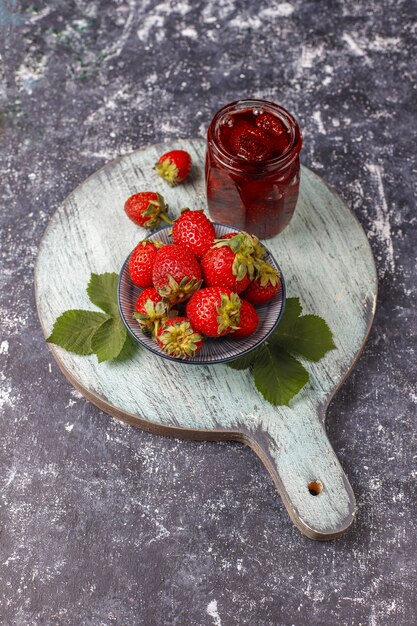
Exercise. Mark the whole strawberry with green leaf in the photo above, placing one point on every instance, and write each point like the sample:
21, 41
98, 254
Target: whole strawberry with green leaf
151, 311
174, 166
214, 311
265, 286
230, 262
147, 209
177, 338
176, 273
193, 230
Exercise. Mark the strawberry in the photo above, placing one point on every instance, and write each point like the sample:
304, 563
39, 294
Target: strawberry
217, 266
248, 322
147, 209
273, 125
150, 293
177, 338
151, 311
230, 262
265, 286
141, 262
176, 273
194, 231
174, 166
270, 123
214, 311
250, 143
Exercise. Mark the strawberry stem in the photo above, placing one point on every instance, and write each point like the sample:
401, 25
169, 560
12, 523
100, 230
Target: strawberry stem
166, 219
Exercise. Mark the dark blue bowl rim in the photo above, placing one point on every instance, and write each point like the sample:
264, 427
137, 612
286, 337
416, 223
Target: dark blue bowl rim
190, 361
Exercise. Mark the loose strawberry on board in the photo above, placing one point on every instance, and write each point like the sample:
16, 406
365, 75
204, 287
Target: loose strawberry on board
265, 286
174, 166
141, 262
151, 311
177, 338
248, 322
193, 230
176, 273
214, 311
230, 262
147, 209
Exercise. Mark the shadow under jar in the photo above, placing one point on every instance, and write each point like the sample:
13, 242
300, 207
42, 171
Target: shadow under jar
253, 166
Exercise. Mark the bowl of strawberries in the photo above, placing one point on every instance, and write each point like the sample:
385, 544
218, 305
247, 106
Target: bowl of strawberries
200, 292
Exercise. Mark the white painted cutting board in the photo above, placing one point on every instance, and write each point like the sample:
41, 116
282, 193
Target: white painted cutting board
327, 262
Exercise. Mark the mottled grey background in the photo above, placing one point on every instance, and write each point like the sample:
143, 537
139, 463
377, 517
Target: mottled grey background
102, 524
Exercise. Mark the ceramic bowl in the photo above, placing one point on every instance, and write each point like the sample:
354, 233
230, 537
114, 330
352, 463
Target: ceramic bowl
214, 350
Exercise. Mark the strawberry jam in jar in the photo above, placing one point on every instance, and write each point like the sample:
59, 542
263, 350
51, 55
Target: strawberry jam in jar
253, 166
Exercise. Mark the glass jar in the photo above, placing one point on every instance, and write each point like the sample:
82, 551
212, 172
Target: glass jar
253, 167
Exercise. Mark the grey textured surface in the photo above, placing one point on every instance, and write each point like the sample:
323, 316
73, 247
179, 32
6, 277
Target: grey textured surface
101, 523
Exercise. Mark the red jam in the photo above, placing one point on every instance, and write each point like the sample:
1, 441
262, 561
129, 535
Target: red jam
253, 167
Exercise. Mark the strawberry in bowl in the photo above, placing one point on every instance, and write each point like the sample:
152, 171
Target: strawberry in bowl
217, 293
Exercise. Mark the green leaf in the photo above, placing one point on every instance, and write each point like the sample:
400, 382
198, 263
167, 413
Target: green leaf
291, 312
73, 330
308, 335
128, 350
102, 291
278, 376
245, 361
107, 342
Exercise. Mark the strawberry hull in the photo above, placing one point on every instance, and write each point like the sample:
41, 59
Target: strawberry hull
178, 339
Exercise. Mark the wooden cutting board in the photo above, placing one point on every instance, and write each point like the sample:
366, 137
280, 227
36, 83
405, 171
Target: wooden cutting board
327, 262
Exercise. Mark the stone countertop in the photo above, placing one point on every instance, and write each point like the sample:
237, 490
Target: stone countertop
102, 524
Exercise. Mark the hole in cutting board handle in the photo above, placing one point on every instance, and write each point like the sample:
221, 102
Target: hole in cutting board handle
315, 487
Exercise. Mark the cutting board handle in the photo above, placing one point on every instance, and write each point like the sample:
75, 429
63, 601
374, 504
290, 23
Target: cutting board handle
307, 473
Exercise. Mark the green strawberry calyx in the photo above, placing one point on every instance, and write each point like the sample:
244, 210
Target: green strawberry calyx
248, 251
168, 171
153, 318
157, 243
179, 340
156, 211
228, 313
260, 250
176, 292
267, 274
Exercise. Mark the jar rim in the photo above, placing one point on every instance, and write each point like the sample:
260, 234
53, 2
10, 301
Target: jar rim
236, 162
